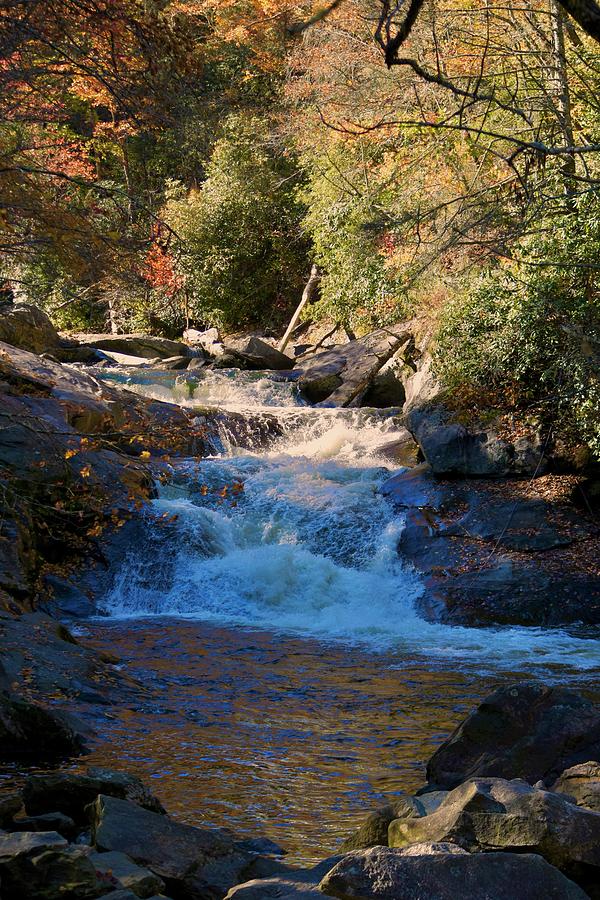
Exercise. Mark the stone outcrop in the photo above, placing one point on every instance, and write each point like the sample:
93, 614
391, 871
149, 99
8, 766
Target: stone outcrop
340, 376
253, 353
452, 448
528, 730
488, 554
386, 874
199, 860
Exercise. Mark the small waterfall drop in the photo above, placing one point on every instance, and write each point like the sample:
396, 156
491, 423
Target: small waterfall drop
296, 537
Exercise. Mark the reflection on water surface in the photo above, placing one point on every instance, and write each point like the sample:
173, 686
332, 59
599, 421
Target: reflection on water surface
274, 734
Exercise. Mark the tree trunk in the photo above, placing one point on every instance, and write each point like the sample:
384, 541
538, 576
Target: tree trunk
308, 296
561, 94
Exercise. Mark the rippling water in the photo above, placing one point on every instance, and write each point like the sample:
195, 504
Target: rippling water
291, 683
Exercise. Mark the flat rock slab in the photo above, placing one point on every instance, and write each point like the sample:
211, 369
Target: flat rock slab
170, 849
140, 345
385, 874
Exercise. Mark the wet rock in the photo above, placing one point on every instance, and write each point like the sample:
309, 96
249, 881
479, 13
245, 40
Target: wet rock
54, 821
403, 451
119, 869
71, 793
177, 853
453, 526
582, 783
28, 730
29, 328
527, 730
495, 814
340, 376
392, 875
452, 448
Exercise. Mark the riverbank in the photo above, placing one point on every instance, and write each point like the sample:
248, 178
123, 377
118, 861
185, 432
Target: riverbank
263, 567
523, 756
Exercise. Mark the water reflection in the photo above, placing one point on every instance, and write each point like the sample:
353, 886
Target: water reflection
270, 734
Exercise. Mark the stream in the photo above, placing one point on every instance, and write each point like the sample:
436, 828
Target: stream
290, 682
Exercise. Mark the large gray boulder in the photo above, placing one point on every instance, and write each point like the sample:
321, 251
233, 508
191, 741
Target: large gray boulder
385, 874
340, 376
453, 448
495, 814
199, 862
71, 792
582, 783
29, 328
28, 730
528, 730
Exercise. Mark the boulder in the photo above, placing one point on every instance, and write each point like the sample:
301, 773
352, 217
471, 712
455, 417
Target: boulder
30, 731
209, 340
486, 554
420, 384
385, 390
253, 353
71, 793
175, 363
53, 821
44, 867
124, 873
140, 345
582, 783
496, 814
340, 376
385, 874
527, 730
452, 448
180, 854
28, 328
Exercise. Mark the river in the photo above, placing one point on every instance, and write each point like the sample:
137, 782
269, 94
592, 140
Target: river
290, 683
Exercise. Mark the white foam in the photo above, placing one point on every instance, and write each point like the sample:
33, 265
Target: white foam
308, 546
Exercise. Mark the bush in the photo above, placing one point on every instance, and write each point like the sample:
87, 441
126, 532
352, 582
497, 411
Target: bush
242, 252
530, 333
360, 287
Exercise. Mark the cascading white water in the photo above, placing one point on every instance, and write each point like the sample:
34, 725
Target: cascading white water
297, 538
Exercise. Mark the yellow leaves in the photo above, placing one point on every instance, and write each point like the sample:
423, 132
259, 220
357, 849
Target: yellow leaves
85, 472
145, 454
71, 453
95, 530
